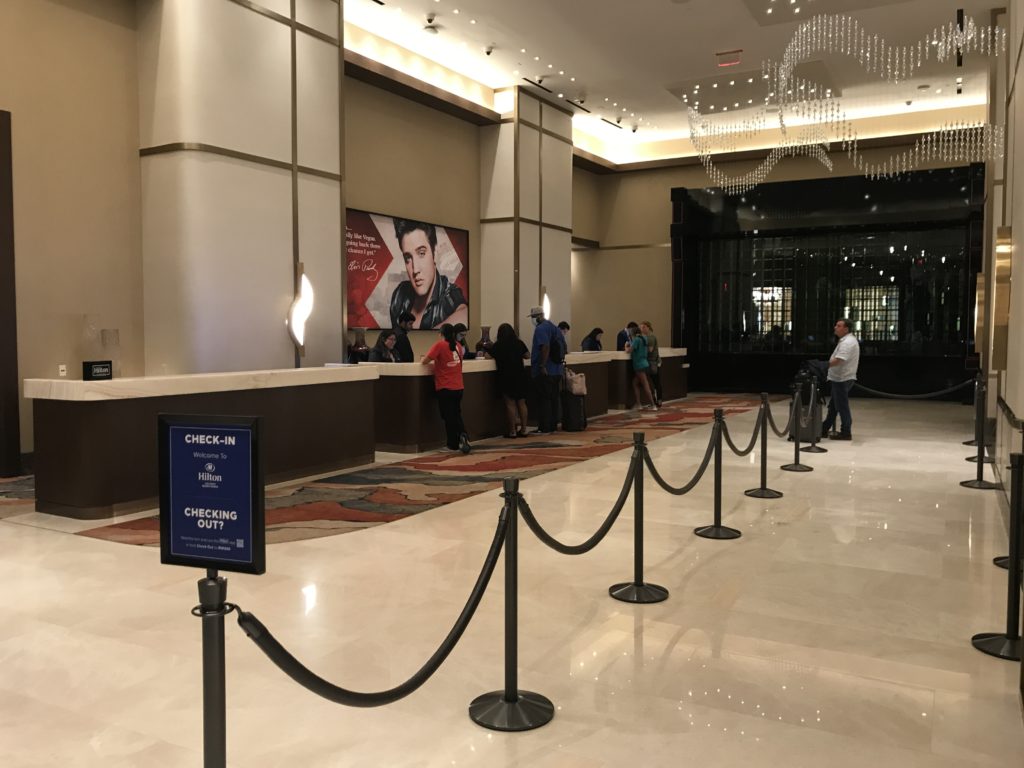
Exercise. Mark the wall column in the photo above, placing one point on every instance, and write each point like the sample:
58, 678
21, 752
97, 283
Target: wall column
242, 180
526, 213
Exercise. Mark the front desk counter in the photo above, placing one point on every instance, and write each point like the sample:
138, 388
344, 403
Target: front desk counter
96, 441
596, 366
405, 406
672, 373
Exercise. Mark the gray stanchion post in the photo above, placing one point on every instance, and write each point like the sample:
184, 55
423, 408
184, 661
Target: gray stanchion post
816, 426
794, 434
511, 709
979, 425
977, 385
637, 591
213, 591
1007, 645
717, 530
764, 492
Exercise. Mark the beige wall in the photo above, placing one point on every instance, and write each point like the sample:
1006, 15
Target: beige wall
405, 159
1013, 382
68, 77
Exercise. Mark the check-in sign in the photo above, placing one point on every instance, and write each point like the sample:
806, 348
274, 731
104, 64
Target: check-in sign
211, 493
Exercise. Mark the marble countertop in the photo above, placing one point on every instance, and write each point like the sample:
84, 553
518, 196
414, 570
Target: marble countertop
163, 386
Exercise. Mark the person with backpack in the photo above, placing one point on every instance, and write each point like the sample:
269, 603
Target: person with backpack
547, 359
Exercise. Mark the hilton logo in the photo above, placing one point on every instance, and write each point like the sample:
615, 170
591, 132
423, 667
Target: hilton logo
209, 477
96, 370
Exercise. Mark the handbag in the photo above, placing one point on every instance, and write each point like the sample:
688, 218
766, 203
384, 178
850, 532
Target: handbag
575, 383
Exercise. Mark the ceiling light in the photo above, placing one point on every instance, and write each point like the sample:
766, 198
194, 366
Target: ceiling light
938, 90
515, 71
572, 79
522, 50
750, 79
551, 66
472, 21
736, 104
536, 58
714, 85
796, 10
561, 71
769, 10
561, 95
732, 82
455, 10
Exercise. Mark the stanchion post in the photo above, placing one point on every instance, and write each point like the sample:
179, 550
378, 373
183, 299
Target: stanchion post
637, 591
979, 482
794, 428
816, 426
717, 530
764, 492
1008, 645
511, 709
979, 426
213, 591
977, 385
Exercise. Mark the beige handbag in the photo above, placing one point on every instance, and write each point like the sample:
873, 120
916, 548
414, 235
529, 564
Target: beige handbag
575, 383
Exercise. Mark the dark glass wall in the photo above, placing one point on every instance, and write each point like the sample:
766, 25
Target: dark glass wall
762, 277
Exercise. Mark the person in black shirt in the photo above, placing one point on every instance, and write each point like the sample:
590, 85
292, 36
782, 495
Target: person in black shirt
384, 350
403, 347
508, 352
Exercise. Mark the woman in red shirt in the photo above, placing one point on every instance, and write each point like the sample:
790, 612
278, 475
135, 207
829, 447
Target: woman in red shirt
447, 362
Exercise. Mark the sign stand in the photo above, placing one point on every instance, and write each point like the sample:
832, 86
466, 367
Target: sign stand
212, 609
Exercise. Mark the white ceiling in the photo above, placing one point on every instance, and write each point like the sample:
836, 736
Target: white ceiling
631, 59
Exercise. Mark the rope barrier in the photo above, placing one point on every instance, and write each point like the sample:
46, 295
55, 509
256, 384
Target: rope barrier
584, 547
259, 634
783, 433
753, 438
696, 478
926, 396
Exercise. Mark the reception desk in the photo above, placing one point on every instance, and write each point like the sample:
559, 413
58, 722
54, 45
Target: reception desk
406, 418
96, 441
672, 372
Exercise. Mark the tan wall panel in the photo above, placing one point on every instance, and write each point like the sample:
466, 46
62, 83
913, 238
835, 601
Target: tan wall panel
529, 278
497, 299
556, 273
497, 169
320, 251
556, 121
1014, 391
217, 73
610, 288
586, 205
529, 173
321, 15
556, 182
217, 266
76, 180
529, 108
409, 160
317, 71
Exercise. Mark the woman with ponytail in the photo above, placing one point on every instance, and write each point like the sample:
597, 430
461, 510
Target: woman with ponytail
446, 359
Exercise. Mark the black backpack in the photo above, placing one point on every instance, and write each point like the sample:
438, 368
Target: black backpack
557, 352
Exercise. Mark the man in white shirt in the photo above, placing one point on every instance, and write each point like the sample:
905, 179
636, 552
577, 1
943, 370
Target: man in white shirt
842, 372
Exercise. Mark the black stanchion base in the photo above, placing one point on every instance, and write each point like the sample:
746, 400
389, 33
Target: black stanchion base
998, 645
716, 532
763, 493
529, 711
814, 449
1002, 562
982, 485
631, 592
796, 468
986, 460
971, 442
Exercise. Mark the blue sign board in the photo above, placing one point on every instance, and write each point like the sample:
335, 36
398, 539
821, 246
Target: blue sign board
211, 493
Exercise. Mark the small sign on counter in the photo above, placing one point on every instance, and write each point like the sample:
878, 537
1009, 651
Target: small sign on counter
97, 370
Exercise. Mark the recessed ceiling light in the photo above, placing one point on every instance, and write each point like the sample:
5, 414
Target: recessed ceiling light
714, 85
572, 79
522, 50
736, 104
615, 103
551, 66
938, 90
732, 82
561, 71
769, 10
796, 10
472, 21
515, 71
536, 58
750, 79
561, 95
455, 10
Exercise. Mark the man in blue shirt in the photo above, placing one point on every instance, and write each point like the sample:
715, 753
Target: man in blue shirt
547, 360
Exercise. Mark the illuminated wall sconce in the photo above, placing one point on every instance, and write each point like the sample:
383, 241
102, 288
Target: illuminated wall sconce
1004, 240
299, 312
546, 304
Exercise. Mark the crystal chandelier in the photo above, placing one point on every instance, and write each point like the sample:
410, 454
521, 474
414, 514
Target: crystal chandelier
799, 101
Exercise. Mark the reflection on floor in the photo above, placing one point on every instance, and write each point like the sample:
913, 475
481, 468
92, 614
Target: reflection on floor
834, 632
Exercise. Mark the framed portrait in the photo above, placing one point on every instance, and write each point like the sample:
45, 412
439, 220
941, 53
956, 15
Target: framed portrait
398, 265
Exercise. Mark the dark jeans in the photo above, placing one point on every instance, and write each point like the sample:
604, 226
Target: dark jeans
840, 402
449, 401
655, 377
547, 401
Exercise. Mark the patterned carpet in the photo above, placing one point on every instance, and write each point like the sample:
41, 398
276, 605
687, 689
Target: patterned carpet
385, 492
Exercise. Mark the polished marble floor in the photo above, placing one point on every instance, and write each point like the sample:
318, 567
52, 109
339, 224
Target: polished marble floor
835, 632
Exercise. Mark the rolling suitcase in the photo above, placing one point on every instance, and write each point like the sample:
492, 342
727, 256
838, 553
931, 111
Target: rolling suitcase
574, 412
